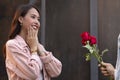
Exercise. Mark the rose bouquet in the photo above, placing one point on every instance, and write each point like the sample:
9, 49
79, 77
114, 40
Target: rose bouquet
90, 43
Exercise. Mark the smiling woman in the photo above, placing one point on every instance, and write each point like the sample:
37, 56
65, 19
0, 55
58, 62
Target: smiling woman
26, 58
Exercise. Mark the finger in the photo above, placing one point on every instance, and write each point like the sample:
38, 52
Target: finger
103, 69
104, 64
30, 32
28, 35
35, 31
104, 72
99, 65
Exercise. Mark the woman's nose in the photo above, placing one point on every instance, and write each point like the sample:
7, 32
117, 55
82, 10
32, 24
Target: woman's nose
37, 23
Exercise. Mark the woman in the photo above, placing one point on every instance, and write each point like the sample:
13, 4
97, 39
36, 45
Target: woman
108, 70
26, 58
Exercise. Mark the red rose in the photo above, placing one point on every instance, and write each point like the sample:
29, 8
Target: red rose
84, 42
85, 36
92, 40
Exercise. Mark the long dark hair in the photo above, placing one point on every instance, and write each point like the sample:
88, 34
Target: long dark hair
15, 25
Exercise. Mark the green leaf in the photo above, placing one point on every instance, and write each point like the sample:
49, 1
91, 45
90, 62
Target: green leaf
91, 51
88, 56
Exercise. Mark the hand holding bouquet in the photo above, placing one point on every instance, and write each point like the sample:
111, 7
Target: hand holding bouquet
89, 42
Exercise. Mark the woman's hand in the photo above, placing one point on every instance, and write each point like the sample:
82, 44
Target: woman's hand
107, 69
41, 50
32, 39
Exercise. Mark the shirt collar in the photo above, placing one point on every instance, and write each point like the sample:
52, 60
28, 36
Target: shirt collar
20, 40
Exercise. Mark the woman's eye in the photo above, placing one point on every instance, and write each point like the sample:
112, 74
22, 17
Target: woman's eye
33, 17
38, 19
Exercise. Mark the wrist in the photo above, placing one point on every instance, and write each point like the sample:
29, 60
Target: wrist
33, 51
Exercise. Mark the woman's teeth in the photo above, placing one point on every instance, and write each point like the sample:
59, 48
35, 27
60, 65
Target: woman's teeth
34, 27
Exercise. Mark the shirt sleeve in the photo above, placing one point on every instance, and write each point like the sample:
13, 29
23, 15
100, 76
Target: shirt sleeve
52, 65
23, 64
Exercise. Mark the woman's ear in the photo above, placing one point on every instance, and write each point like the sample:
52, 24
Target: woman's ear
20, 19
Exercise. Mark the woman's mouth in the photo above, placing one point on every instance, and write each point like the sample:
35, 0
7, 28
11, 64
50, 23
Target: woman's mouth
35, 27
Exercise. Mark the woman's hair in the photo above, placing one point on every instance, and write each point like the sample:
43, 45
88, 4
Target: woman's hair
15, 25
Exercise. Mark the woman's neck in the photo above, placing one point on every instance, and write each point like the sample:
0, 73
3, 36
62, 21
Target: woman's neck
22, 34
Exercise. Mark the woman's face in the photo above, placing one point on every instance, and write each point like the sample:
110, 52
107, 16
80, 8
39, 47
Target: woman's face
31, 19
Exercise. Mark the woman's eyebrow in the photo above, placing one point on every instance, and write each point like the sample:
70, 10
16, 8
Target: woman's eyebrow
35, 15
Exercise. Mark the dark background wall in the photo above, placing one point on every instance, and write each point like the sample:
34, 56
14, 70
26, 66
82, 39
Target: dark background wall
65, 21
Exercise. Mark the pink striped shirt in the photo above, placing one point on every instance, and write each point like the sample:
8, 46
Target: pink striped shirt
22, 65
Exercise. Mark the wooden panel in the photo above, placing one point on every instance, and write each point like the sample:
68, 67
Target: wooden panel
66, 19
